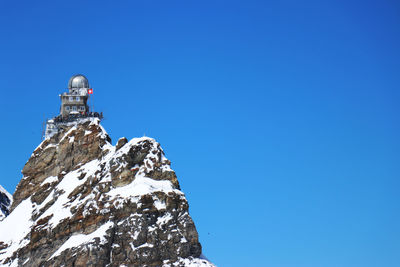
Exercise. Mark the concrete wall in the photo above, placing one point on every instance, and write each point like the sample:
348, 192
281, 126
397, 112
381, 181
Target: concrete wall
71, 101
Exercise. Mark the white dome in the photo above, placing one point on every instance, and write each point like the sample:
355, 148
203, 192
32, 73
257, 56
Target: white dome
78, 81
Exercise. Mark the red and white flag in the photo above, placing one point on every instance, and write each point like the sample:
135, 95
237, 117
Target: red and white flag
90, 91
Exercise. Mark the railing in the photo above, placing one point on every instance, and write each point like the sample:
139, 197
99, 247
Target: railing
74, 117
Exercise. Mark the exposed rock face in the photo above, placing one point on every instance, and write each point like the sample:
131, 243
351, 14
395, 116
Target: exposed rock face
84, 202
5, 203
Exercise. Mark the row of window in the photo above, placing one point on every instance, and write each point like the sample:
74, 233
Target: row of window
77, 98
74, 108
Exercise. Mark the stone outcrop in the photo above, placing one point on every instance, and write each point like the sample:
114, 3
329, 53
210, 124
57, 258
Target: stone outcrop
5, 203
84, 202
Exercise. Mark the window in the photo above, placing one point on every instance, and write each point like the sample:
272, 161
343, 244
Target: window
67, 108
74, 108
82, 108
77, 98
71, 98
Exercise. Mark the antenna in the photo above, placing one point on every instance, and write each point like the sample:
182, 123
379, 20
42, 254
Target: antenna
44, 127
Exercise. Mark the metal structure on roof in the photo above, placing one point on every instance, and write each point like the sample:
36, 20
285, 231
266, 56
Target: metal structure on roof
78, 81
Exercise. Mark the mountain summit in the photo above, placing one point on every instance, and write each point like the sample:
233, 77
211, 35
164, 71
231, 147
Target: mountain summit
85, 202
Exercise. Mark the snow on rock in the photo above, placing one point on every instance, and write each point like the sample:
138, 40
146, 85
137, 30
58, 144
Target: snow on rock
15, 228
81, 239
189, 262
5, 203
142, 186
84, 202
53, 128
49, 180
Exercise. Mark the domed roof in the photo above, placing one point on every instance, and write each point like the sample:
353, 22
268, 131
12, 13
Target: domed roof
78, 81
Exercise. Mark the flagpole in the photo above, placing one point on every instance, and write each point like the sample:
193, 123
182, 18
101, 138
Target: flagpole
92, 100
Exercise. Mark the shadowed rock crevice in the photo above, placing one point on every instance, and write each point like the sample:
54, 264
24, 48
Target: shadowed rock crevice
5, 203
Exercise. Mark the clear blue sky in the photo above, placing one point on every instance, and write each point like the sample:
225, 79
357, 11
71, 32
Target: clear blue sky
281, 118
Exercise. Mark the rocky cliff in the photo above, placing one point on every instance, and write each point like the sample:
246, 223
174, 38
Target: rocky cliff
84, 202
5, 203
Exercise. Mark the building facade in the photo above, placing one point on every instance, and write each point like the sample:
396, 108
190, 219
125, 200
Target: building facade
74, 102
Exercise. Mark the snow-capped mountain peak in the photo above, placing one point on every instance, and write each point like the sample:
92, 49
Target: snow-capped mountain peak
84, 202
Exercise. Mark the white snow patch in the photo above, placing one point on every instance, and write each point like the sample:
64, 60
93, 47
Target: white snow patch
15, 227
160, 205
142, 186
146, 245
164, 219
67, 133
135, 235
81, 239
25, 261
191, 262
49, 180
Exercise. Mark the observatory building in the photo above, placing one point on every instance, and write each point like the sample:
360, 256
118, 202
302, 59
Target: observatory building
75, 101
74, 106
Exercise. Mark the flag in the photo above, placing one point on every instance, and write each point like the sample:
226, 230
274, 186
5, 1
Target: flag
90, 91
